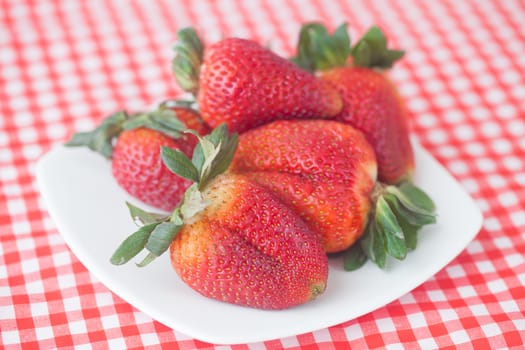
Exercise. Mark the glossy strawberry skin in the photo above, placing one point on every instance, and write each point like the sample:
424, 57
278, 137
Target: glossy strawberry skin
373, 105
137, 166
250, 249
323, 170
138, 169
246, 85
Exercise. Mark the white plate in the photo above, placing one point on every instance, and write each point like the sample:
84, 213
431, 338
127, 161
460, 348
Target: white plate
89, 211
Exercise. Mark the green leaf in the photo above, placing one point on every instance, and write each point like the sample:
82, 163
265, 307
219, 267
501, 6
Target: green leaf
208, 148
409, 232
185, 73
191, 39
387, 224
391, 56
341, 45
137, 121
188, 59
80, 139
168, 119
375, 37
148, 259
155, 236
305, 46
318, 50
417, 195
366, 242
132, 245
416, 216
373, 245
174, 134
371, 51
379, 248
404, 220
218, 134
162, 120
161, 237
102, 143
143, 216
207, 166
303, 62
354, 257
179, 163
222, 160
412, 204
213, 154
101, 138
362, 54
198, 158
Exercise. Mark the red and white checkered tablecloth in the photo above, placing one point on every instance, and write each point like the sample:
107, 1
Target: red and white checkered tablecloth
66, 64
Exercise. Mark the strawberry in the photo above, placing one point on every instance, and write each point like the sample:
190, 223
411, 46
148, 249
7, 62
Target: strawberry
324, 170
239, 82
231, 239
371, 102
133, 144
249, 248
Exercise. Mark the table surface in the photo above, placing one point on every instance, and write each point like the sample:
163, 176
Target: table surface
64, 65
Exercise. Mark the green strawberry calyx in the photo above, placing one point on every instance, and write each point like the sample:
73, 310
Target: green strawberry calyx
211, 157
186, 64
400, 212
101, 139
371, 51
317, 49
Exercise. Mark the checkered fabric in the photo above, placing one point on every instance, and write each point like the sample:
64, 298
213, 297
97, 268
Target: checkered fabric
66, 64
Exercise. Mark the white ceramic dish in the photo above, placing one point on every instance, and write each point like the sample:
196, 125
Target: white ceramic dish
88, 208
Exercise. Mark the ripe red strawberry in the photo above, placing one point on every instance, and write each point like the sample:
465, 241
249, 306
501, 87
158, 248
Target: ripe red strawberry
324, 170
231, 239
249, 248
371, 102
133, 144
137, 167
243, 84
